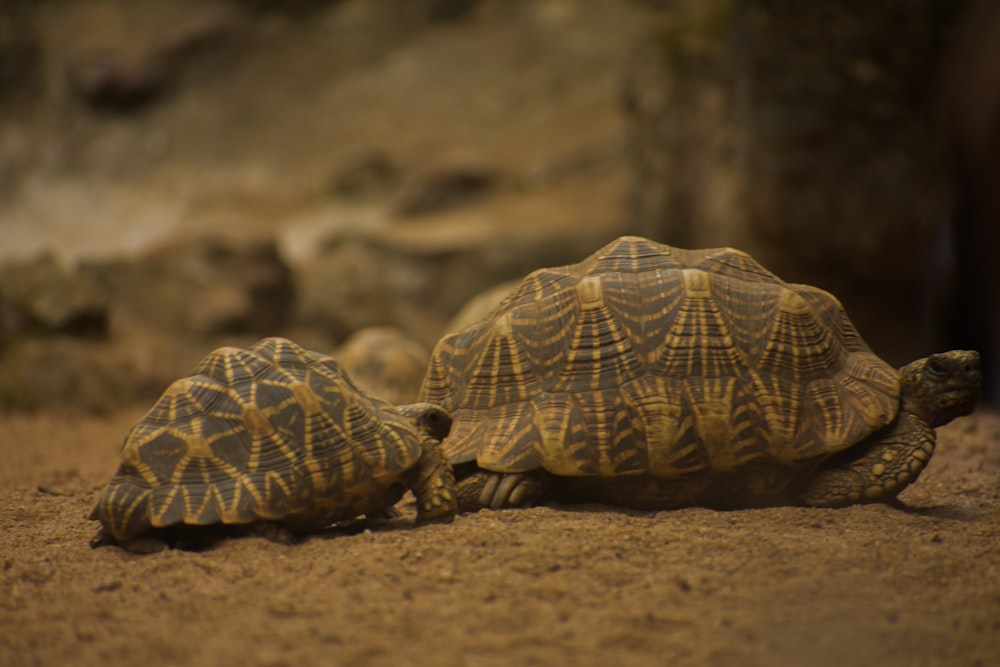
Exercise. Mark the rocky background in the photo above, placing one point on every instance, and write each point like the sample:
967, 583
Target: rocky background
176, 174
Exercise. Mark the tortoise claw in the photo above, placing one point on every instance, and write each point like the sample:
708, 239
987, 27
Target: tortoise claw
510, 490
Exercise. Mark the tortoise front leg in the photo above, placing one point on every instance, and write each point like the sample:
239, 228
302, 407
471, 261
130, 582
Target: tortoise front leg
433, 484
893, 459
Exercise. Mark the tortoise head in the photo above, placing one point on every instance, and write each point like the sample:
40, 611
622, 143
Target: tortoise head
430, 419
941, 387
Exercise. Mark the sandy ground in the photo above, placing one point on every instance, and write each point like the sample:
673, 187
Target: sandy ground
587, 585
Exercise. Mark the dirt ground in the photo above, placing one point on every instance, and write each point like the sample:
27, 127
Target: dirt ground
588, 585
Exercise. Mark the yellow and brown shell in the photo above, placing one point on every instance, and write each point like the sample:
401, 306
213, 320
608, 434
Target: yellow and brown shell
645, 359
272, 432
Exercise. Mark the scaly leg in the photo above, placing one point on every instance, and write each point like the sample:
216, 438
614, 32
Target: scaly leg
433, 484
892, 460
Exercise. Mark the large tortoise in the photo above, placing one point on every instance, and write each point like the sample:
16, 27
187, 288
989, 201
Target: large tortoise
275, 438
654, 377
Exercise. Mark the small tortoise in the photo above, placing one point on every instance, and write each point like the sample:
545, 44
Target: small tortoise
653, 377
276, 438
385, 362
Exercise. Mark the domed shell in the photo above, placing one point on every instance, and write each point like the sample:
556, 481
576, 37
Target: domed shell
645, 359
385, 362
272, 432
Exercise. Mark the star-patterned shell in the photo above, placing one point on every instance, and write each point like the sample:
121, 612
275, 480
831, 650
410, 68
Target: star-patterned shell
272, 432
650, 360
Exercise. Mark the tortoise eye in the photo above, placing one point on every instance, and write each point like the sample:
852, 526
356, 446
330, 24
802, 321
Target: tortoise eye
936, 367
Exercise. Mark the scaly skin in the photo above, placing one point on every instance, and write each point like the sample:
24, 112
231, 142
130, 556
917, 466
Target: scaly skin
433, 484
432, 480
893, 461
934, 391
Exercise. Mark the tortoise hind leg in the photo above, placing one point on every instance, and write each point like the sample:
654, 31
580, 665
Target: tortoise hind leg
892, 460
479, 488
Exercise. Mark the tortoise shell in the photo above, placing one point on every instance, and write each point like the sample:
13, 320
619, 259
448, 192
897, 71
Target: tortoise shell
270, 433
385, 362
645, 359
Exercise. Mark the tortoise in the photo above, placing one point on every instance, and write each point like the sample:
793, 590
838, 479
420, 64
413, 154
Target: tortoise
277, 439
384, 361
655, 377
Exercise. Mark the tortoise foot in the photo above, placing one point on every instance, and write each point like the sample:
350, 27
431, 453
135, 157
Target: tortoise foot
499, 490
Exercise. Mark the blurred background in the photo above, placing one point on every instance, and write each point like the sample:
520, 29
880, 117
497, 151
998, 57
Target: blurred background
179, 174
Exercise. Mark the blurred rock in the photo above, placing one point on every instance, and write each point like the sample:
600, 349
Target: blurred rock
370, 174
117, 80
445, 186
41, 297
417, 11
20, 54
116, 332
124, 54
201, 287
63, 373
416, 276
801, 132
67, 374
435, 11
385, 362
